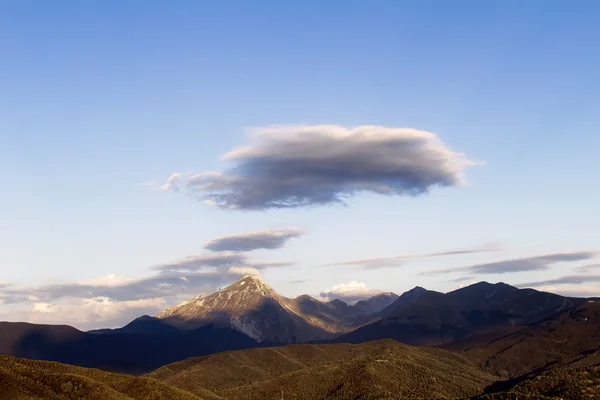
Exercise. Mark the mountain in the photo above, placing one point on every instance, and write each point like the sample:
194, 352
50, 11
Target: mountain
375, 304
557, 358
491, 341
405, 299
27, 380
377, 370
144, 325
121, 352
436, 318
568, 337
251, 307
254, 308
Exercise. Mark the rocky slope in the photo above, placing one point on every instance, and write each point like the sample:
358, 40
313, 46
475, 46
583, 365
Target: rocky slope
254, 308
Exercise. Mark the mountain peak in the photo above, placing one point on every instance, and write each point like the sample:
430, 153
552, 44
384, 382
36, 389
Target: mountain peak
376, 303
251, 283
385, 295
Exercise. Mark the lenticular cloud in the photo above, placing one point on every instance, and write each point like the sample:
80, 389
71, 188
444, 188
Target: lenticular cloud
301, 166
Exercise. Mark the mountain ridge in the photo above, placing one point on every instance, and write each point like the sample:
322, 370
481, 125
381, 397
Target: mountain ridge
251, 306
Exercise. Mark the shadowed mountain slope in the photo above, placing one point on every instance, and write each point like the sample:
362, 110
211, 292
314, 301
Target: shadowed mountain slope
565, 338
122, 352
437, 318
144, 325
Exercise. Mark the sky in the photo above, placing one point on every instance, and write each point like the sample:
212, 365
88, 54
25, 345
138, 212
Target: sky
153, 151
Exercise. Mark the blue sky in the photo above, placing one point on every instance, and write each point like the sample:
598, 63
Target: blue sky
97, 98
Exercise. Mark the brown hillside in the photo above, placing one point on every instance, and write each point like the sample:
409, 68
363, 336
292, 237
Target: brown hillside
382, 369
28, 380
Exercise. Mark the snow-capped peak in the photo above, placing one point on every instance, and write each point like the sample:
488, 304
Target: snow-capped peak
251, 283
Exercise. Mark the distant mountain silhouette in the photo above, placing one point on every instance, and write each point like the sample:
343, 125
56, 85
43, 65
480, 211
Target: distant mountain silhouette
144, 325
433, 318
117, 351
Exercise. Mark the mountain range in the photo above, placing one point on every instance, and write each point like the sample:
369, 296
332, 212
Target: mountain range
487, 341
255, 309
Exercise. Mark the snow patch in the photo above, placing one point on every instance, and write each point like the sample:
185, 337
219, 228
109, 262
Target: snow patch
247, 327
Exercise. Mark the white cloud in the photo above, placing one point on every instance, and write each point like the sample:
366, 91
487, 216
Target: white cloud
107, 280
45, 308
244, 271
350, 292
95, 312
172, 182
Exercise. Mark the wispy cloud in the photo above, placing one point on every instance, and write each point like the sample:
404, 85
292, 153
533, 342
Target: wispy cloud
166, 284
196, 262
463, 279
299, 166
572, 290
381, 262
538, 263
249, 241
564, 280
221, 261
112, 299
588, 268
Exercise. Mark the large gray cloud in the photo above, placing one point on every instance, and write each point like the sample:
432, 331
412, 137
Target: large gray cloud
297, 166
381, 262
539, 263
266, 239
